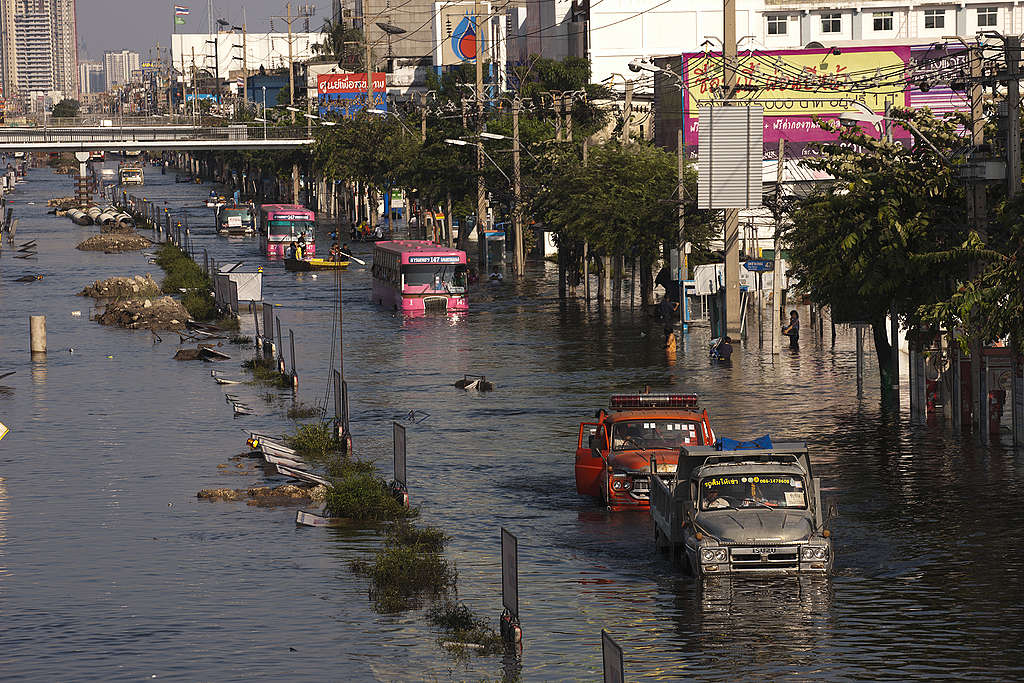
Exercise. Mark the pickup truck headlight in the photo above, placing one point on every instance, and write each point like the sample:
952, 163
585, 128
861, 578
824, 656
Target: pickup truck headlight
713, 554
813, 552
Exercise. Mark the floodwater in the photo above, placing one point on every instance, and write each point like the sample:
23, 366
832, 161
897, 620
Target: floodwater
111, 569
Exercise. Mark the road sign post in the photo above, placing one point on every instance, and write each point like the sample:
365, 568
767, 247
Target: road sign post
399, 487
611, 653
759, 265
510, 630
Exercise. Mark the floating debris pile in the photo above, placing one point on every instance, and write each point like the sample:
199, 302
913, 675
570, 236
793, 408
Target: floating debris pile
115, 242
131, 287
150, 314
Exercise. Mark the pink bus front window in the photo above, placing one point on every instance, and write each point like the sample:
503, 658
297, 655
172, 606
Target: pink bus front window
435, 277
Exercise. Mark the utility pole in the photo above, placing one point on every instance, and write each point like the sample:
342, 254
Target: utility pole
732, 216
245, 63
1012, 46
777, 257
627, 111
481, 189
681, 216
288, 19
369, 70
567, 113
291, 65
423, 117
977, 219
517, 210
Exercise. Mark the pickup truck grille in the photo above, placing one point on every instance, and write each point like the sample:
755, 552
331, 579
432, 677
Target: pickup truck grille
642, 486
766, 558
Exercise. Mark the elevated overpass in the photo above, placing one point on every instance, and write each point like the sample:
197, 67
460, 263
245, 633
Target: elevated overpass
144, 135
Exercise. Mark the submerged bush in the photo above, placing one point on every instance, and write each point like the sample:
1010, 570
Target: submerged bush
316, 440
464, 628
300, 410
265, 371
199, 304
402, 574
364, 496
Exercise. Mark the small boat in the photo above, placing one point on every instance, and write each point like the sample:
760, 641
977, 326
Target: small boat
300, 265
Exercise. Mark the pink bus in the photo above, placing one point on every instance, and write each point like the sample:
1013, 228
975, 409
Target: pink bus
416, 276
284, 223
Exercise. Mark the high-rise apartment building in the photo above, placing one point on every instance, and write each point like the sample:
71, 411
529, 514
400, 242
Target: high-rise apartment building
38, 47
33, 45
65, 43
118, 67
91, 77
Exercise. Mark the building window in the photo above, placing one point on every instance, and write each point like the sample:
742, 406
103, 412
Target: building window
882, 21
987, 16
935, 18
777, 25
831, 23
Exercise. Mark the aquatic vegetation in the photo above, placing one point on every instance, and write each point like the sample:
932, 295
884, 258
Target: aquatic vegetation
404, 571
463, 629
363, 495
300, 411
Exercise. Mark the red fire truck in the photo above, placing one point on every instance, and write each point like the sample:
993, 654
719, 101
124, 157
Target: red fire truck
614, 453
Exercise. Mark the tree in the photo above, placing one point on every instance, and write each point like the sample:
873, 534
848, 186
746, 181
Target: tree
367, 148
990, 306
66, 109
868, 243
623, 202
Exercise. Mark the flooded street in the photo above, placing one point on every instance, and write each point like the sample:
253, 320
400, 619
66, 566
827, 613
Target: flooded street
111, 569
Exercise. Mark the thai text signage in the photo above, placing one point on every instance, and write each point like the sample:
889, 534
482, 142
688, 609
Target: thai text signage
435, 259
345, 94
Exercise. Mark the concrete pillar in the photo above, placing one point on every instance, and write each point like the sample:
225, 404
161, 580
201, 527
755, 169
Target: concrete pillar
37, 333
857, 25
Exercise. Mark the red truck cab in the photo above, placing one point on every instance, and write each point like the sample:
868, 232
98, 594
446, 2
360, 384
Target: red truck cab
614, 453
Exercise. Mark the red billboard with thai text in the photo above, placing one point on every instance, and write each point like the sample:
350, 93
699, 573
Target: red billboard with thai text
336, 84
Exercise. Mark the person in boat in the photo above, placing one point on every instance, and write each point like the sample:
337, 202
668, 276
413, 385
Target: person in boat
335, 254
473, 277
289, 252
496, 275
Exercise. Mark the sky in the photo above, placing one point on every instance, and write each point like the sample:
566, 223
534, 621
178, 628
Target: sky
139, 24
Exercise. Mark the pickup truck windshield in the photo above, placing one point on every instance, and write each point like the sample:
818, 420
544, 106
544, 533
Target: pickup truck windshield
752, 490
655, 433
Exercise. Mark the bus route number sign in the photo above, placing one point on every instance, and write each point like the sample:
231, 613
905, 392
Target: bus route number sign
433, 259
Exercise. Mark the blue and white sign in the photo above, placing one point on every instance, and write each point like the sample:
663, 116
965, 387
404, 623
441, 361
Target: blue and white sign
759, 265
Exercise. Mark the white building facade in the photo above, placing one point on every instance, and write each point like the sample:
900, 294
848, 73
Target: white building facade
620, 30
118, 67
222, 52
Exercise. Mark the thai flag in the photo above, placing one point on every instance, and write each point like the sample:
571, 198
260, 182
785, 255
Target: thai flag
180, 11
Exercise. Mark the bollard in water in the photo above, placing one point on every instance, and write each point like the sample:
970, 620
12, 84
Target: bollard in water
37, 333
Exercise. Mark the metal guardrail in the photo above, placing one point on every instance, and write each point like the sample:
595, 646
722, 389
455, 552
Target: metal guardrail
151, 133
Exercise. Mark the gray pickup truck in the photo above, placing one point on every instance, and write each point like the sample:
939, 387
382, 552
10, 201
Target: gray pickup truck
752, 511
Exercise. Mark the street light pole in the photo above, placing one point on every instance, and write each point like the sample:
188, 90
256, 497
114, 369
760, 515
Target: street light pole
481, 189
517, 210
264, 112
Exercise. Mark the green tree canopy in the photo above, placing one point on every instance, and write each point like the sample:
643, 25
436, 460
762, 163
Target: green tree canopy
66, 109
872, 239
